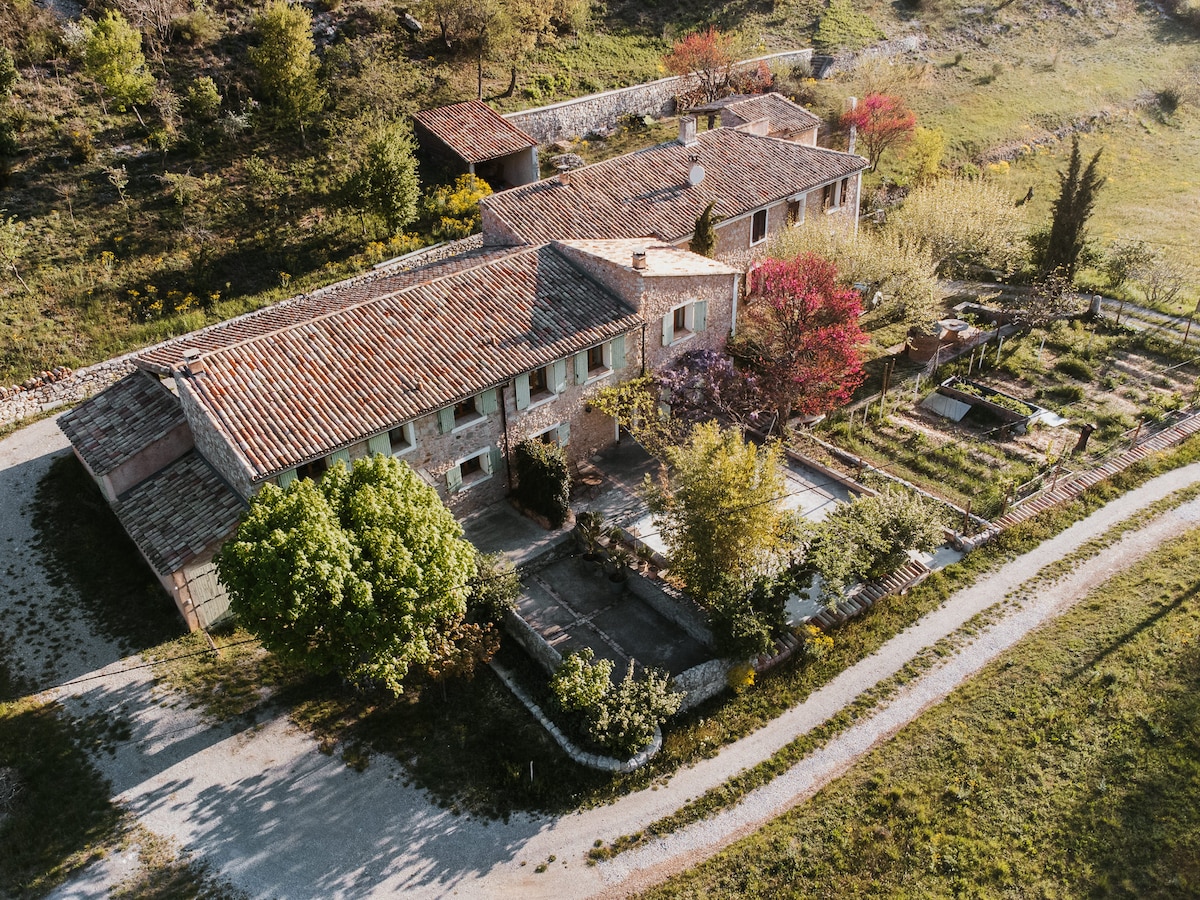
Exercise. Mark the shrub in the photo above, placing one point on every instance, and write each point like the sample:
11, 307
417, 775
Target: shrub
1076, 368
815, 644
543, 480
203, 100
619, 719
197, 28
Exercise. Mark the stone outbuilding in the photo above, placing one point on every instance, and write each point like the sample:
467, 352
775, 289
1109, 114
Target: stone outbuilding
472, 138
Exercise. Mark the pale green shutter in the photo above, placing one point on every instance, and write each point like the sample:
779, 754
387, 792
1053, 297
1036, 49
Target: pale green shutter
701, 315
445, 419
558, 372
495, 459
342, 456
581, 369
454, 479
564, 433
286, 478
668, 329
522, 382
380, 444
487, 402
618, 352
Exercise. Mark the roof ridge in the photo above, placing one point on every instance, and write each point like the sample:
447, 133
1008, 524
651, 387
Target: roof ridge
291, 326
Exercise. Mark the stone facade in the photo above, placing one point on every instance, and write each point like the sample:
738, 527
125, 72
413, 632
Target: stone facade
213, 446
600, 112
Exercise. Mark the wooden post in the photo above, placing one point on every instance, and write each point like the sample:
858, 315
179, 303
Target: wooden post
1137, 433
1057, 467
967, 518
999, 346
1191, 315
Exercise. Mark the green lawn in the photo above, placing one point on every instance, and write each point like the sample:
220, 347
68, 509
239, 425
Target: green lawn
1068, 768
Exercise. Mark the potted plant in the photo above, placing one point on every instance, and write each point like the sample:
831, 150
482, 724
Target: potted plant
588, 528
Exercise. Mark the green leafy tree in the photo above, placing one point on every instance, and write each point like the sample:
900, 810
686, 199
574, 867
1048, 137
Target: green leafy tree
1072, 208
543, 479
363, 574
871, 537
112, 57
718, 510
963, 223
286, 64
385, 182
704, 240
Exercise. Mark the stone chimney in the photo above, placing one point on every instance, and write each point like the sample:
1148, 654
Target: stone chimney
687, 130
639, 257
192, 363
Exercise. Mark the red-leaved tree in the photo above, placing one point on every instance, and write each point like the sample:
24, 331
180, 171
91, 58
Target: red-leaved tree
800, 334
883, 122
706, 56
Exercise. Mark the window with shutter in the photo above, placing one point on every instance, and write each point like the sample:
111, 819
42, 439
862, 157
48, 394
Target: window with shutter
523, 391
618, 352
668, 329
286, 478
582, 368
564, 433
758, 227
379, 444
700, 315
558, 372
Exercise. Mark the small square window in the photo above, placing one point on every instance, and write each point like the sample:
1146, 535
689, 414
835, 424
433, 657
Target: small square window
471, 468
679, 320
595, 358
795, 212
313, 470
466, 411
402, 439
758, 227
539, 382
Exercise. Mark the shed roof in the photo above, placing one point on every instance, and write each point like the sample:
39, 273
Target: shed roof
785, 116
112, 427
475, 131
179, 512
292, 395
648, 192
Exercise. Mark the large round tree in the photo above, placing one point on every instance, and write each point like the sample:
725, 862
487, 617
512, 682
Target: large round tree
358, 574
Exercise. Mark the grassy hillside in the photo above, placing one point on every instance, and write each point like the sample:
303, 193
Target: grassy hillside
128, 230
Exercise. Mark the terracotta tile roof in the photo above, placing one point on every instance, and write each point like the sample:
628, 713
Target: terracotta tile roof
179, 512
786, 117
475, 131
166, 358
121, 421
647, 193
299, 393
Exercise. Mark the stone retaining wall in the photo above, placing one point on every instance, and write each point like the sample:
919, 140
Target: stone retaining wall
600, 112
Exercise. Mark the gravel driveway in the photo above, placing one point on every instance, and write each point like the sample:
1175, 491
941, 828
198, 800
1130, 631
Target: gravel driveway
277, 818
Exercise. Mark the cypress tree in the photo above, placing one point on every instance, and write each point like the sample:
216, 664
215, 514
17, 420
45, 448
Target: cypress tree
704, 239
1071, 211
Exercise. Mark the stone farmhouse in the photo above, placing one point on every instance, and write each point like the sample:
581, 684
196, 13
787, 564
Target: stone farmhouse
448, 365
758, 184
